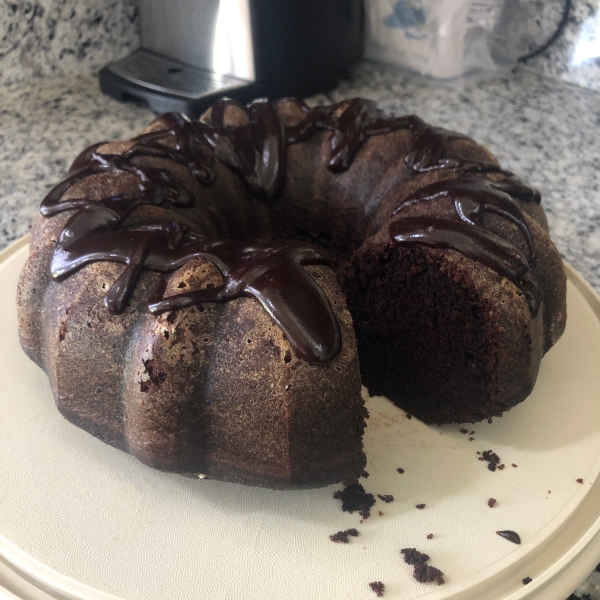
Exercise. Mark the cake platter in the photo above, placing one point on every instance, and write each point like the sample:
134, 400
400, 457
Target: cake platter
82, 520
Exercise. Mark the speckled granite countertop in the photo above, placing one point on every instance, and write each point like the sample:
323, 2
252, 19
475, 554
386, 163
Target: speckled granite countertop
542, 129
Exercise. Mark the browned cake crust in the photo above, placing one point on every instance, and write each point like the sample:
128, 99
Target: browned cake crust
217, 388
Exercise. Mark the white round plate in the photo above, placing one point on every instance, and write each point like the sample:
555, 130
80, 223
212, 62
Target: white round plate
80, 519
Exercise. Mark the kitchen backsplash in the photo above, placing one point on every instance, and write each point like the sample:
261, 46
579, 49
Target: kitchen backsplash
64, 37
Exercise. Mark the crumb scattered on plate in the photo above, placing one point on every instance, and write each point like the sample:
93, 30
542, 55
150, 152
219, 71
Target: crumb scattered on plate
422, 572
492, 459
342, 537
377, 587
428, 574
492, 502
413, 557
386, 497
354, 497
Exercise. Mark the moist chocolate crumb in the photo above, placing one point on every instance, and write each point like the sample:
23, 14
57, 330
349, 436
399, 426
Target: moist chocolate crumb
492, 459
413, 557
515, 466
386, 497
472, 432
511, 536
492, 502
430, 536
420, 506
478, 452
365, 474
463, 430
400, 470
380, 514
408, 416
579, 480
527, 580
428, 574
342, 536
377, 587
422, 572
354, 497
501, 467
471, 439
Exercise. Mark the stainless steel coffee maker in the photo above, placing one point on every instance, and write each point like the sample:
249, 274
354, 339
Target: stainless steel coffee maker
194, 51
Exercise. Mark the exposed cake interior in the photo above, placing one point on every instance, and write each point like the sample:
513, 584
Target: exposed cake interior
418, 323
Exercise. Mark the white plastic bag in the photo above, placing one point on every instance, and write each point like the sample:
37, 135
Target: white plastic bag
443, 39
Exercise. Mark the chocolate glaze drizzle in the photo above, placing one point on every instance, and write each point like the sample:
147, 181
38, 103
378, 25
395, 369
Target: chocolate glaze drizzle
256, 151
274, 276
472, 198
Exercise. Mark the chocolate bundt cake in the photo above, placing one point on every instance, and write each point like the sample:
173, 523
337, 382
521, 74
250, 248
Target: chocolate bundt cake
200, 296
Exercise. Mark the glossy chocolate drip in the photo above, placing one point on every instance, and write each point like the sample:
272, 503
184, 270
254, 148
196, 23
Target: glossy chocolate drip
256, 150
274, 277
351, 123
359, 119
429, 151
155, 184
472, 198
349, 128
472, 241
511, 536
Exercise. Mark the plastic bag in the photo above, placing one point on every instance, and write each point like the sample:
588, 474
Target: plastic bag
443, 39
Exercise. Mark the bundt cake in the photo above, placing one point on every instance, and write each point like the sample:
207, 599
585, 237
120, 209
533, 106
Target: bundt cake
200, 296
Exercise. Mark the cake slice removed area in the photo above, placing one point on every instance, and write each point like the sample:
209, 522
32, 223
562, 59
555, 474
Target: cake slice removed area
445, 341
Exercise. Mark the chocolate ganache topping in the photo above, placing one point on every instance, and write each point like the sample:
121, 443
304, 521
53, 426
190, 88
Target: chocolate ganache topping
472, 198
256, 151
